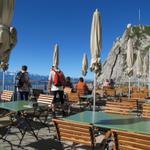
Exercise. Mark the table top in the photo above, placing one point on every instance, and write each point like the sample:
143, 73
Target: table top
17, 105
89, 96
147, 102
113, 121
1, 148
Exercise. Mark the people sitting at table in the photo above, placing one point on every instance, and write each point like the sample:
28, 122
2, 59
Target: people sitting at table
106, 83
68, 83
82, 88
111, 83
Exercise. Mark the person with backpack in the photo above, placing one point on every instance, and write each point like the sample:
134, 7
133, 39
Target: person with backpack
56, 86
23, 83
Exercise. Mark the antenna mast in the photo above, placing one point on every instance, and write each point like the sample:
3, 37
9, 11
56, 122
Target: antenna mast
139, 16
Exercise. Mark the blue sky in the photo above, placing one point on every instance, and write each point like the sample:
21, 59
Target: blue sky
43, 23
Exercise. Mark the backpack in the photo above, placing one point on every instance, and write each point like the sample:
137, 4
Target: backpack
21, 79
59, 79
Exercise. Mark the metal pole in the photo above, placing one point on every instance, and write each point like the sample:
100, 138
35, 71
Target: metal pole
139, 16
15, 86
94, 92
3, 82
138, 84
129, 89
94, 97
149, 74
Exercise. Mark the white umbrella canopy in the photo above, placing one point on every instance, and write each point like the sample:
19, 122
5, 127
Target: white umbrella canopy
8, 34
145, 65
6, 12
139, 67
84, 65
129, 61
56, 56
139, 64
96, 45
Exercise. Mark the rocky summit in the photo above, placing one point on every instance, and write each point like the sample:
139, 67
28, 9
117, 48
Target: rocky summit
115, 66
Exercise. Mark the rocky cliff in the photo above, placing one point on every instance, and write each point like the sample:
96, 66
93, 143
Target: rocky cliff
115, 66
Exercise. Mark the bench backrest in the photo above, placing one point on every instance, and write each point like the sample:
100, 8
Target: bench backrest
120, 107
118, 90
75, 132
73, 97
110, 92
81, 92
146, 110
7, 95
131, 141
139, 95
67, 90
45, 99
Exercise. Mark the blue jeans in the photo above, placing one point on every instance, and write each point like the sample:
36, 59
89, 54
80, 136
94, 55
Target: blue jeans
24, 95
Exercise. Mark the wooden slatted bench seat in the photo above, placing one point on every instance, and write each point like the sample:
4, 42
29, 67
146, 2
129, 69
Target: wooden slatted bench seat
124, 104
131, 141
139, 95
7, 95
43, 109
76, 132
67, 90
110, 92
73, 99
45, 99
120, 107
146, 110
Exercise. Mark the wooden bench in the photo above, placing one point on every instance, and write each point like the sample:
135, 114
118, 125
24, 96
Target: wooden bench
42, 110
119, 91
125, 90
99, 92
6, 122
67, 90
139, 95
109, 92
73, 99
120, 107
130, 141
45, 99
77, 133
7, 95
146, 110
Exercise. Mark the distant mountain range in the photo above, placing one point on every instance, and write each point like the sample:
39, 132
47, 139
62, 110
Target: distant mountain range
10, 77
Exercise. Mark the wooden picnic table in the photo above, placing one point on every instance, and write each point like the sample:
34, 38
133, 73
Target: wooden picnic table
113, 121
20, 106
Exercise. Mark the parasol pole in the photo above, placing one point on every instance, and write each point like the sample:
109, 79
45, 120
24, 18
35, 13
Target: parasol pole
94, 96
129, 89
149, 74
3, 82
138, 84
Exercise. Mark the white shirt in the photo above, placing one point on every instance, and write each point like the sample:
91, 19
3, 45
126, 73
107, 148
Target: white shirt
51, 79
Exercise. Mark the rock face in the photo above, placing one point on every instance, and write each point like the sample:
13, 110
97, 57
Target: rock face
115, 67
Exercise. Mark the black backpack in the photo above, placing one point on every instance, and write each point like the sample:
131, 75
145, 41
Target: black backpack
20, 78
